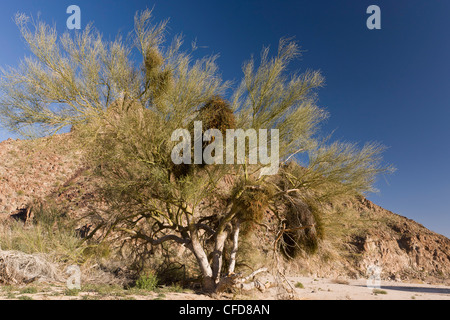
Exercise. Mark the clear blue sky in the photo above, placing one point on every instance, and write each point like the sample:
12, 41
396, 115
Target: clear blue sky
390, 85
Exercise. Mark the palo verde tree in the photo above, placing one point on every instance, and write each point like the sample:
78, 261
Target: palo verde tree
127, 97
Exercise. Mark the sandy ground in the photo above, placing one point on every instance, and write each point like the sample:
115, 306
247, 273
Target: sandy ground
327, 289
306, 289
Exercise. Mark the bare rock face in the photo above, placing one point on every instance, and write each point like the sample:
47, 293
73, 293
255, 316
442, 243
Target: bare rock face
360, 235
406, 250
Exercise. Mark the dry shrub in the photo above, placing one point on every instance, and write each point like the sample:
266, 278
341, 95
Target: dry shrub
217, 114
340, 281
300, 211
296, 238
253, 203
42, 248
50, 232
21, 268
158, 79
153, 61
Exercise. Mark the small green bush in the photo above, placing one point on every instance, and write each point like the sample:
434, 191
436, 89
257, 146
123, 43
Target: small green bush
10, 295
147, 281
378, 291
299, 285
175, 288
71, 292
30, 290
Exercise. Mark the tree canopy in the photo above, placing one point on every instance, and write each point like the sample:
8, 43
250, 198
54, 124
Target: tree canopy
126, 97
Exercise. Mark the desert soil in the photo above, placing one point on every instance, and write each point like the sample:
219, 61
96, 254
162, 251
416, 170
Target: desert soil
327, 289
313, 289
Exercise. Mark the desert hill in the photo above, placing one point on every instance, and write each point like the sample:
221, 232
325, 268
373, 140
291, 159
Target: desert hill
358, 233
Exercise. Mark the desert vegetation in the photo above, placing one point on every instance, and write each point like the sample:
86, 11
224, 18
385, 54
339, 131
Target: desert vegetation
123, 99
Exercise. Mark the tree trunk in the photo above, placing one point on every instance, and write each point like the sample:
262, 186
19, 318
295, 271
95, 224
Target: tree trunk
235, 239
202, 259
217, 258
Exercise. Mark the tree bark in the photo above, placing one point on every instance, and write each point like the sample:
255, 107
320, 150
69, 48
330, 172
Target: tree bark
202, 259
217, 258
234, 250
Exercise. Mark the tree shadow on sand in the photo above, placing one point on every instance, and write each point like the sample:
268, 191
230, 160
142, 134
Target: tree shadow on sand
417, 289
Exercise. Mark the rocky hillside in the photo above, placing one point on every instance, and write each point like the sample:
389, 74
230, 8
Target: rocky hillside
33, 169
358, 233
